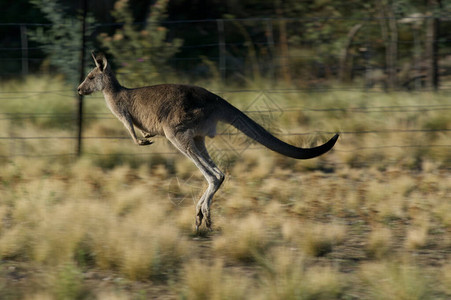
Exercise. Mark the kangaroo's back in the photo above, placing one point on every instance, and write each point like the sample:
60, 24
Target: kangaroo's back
173, 104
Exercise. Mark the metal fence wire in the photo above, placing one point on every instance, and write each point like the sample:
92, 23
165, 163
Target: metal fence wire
228, 141
239, 49
354, 48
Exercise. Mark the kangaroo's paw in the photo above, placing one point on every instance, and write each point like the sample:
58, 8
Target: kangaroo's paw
206, 214
208, 223
149, 135
199, 218
144, 142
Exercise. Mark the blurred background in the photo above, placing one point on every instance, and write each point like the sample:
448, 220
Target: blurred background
86, 214
403, 45
227, 46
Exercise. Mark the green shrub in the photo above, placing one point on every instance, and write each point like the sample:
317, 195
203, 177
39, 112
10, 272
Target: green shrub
142, 53
61, 41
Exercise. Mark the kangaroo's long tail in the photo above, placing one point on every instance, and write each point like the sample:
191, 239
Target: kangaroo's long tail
249, 127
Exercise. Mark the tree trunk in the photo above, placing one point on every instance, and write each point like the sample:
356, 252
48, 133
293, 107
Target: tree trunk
345, 74
389, 30
392, 54
284, 63
432, 35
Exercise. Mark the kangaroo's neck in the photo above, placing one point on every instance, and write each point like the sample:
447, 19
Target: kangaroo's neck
111, 84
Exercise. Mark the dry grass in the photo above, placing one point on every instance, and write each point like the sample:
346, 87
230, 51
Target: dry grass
243, 239
314, 239
51, 223
363, 221
287, 276
445, 278
416, 238
380, 243
205, 281
388, 280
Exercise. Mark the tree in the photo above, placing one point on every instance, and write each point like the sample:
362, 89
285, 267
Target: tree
61, 40
432, 35
141, 51
389, 31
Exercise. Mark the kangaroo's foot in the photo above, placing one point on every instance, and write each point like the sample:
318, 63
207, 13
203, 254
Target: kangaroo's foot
199, 218
144, 142
208, 223
206, 214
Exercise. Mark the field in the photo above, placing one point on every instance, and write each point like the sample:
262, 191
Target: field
369, 220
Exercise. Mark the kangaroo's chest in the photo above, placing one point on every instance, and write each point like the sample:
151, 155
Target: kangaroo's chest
142, 115
115, 106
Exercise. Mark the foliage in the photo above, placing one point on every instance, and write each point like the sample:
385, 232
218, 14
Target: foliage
142, 51
61, 40
309, 41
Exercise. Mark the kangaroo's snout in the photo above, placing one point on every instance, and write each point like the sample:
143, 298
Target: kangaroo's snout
82, 91
79, 89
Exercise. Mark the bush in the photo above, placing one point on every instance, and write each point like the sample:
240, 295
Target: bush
142, 52
62, 36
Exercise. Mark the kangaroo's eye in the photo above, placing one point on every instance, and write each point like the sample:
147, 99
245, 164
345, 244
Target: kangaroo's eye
90, 77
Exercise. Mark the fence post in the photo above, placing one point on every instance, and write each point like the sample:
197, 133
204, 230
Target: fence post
84, 8
432, 36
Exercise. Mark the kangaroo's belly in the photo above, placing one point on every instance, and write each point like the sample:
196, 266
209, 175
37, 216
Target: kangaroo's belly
148, 124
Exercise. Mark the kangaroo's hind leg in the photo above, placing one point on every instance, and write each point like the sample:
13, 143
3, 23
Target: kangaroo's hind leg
203, 206
188, 145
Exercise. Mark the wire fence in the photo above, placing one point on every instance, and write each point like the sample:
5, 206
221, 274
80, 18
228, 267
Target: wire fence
246, 48
20, 144
239, 48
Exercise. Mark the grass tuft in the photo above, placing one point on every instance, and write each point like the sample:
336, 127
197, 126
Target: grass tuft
213, 281
391, 280
416, 238
379, 243
243, 239
314, 239
287, 276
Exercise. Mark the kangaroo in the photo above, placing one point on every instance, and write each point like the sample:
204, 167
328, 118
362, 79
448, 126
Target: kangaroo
185, 115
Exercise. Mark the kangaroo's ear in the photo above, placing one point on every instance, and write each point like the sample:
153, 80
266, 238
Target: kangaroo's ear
100, 60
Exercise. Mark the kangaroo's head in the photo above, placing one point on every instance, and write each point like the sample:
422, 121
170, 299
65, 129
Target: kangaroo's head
96, 79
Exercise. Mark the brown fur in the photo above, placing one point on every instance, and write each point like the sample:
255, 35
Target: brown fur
185, 115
